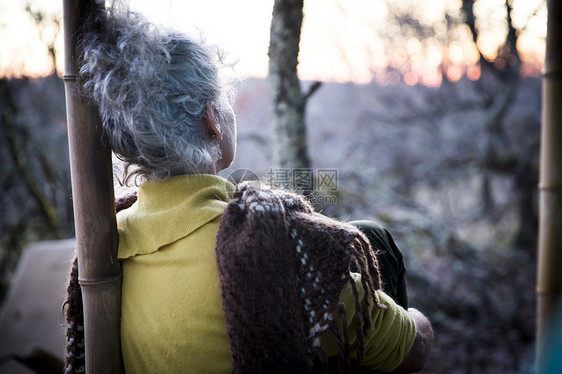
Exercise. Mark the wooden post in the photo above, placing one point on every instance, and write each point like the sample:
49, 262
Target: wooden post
549, 277
94, 207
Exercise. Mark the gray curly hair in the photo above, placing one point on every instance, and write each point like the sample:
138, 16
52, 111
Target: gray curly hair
153, 86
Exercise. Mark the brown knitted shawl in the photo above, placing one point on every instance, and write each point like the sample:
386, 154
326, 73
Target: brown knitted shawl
281, 269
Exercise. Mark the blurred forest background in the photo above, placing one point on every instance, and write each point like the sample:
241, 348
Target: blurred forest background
445, 158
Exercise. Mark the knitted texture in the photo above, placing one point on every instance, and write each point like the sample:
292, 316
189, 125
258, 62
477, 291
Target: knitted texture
281, 271
74, 311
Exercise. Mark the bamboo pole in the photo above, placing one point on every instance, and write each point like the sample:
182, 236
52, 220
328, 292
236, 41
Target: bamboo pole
94, 207
549, 273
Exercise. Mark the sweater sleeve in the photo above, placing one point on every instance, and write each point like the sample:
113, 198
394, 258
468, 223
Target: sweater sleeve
390, 338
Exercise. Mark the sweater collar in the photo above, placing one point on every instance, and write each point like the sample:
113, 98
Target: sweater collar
169, 210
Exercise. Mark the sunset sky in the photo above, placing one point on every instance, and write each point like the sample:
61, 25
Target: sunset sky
341, 41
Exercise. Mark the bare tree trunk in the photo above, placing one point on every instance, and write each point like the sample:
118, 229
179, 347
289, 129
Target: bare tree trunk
287, 103
549, 280
94, 208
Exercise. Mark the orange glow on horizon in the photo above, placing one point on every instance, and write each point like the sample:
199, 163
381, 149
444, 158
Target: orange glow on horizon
432, 77
337, 44
473, 72
454, 73
410, 78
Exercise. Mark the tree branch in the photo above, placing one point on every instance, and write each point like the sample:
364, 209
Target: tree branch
311, 90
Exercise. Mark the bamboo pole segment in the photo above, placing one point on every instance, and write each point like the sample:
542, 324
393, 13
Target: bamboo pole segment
94, 207
549, 265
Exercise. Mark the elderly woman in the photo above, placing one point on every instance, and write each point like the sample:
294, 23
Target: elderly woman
220, 278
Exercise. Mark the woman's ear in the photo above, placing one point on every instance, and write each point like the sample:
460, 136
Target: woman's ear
210, 124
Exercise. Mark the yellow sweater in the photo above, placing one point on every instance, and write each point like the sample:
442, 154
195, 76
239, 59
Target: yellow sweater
172, 318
